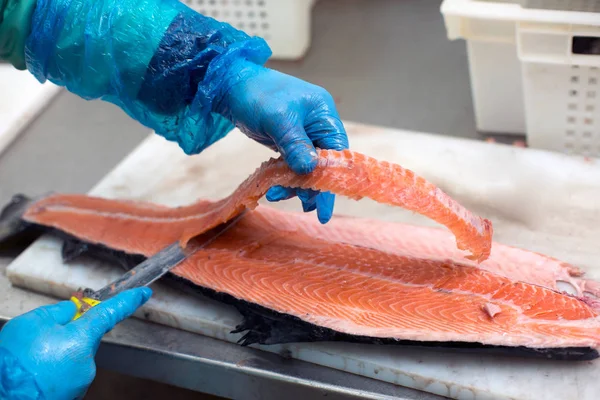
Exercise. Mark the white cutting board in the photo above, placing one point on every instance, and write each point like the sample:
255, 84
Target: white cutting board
541, 201
22, 98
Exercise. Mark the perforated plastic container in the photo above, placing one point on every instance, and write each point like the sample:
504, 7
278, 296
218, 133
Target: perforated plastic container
284, 24
534, 67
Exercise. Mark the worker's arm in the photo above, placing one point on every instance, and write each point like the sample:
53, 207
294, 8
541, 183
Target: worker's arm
46, 355
15, 25
186, 76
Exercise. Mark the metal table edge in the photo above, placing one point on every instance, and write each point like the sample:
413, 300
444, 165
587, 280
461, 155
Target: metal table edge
224, 369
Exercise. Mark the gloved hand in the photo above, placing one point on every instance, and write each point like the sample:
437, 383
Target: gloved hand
288, 115
44, 354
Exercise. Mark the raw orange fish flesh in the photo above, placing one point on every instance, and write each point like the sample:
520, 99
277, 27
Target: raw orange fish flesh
354, 276
343, 172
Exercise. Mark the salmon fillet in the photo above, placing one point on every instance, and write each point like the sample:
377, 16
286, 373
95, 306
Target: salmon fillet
355, 276
367, 292
345, 173
432, 243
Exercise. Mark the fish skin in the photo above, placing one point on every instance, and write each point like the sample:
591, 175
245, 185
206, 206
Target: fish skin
346, 173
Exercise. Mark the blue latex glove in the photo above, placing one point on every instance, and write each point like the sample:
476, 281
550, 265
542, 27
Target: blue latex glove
288, 115
46, 355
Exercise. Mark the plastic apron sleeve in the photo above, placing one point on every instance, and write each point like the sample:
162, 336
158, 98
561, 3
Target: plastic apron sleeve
160, 61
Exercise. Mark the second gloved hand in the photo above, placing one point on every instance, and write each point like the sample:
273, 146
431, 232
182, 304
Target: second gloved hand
288, 115
46, 355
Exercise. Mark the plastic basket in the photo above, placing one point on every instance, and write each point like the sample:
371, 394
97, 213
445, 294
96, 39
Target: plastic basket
534, 68
284, 24
22, 99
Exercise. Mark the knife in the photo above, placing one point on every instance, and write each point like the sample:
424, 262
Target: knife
150, 270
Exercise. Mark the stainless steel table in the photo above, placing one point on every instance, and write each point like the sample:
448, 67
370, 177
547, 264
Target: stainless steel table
69, 148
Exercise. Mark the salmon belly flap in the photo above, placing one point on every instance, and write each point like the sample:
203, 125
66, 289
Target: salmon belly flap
352, 278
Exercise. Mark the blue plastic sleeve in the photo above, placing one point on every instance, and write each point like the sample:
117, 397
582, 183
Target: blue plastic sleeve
163, 63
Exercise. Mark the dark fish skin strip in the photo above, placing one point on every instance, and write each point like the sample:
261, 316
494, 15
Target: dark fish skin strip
259, 325
16, 233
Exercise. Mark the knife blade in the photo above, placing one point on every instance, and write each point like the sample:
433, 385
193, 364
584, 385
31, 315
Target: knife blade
151, 269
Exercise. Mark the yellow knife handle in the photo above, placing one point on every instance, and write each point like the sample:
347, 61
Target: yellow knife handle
83, 305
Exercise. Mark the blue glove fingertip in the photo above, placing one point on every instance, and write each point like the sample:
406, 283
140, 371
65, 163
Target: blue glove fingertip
132, 299
302, 158
279, 193
325, 202
309, 206
335, 139
334, 143
308, 199
113, 311
146, 293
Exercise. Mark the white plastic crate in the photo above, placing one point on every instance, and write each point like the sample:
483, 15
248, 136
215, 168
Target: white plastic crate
284, 24
22, 99
534, 67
